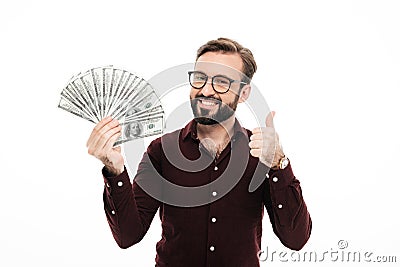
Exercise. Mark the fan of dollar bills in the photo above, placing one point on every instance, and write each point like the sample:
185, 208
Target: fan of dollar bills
108, 91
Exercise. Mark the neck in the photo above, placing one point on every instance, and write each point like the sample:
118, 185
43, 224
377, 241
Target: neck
218, 132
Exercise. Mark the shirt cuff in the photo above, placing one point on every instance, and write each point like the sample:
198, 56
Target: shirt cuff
279, 179
116, 184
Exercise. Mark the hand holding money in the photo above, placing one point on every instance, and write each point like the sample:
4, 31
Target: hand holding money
111, 92
100, 145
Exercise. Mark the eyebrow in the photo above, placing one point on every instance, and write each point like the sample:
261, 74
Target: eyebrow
218, 74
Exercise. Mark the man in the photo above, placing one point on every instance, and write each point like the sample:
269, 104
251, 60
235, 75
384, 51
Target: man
221, 225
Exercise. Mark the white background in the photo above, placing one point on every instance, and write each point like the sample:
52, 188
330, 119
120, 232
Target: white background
330, 70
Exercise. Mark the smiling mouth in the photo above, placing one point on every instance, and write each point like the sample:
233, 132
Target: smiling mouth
207, 102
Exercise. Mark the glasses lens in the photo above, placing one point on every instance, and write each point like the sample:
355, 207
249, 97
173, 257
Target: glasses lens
221, 84
197, 79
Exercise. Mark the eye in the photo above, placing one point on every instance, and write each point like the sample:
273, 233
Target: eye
221, 81
200, 77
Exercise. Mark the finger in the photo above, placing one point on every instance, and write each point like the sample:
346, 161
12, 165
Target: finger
118, 148
267, 132
256, 136
101, 144
98, 141
110, 143
269, 121
256, 130
256, 144
262, 130
97, 133
98, 127
255, 152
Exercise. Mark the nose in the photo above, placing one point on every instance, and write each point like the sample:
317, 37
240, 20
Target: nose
207, 90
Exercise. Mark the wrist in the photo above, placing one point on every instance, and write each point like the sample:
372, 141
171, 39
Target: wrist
283, 163
279, 155
112, 171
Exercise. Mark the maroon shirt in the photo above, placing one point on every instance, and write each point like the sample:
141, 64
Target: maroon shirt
225, 232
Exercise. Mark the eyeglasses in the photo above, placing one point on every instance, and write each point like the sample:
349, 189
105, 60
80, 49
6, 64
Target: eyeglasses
220, 83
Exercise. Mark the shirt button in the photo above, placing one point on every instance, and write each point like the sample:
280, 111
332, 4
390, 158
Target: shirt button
120, 183
214, 193
113, 212
215, 168
213, 219
275, 179
267, 175
212, 248
280, 206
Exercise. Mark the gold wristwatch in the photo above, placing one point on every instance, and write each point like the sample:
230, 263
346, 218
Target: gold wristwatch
283, 162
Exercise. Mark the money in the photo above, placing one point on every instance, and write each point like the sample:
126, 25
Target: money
108, 91
139, 128
65, 104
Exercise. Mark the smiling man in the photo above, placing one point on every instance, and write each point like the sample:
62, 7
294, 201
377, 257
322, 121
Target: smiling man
219, 225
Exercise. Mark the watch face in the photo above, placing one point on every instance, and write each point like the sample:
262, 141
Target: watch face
284, 163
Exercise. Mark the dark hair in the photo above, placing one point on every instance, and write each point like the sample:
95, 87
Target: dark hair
226, 45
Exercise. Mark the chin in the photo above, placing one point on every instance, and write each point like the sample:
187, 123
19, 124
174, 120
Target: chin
205, 121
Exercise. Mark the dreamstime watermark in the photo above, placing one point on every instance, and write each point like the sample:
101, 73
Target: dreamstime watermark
340, 254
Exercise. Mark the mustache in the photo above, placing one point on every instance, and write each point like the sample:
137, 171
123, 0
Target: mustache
201, 96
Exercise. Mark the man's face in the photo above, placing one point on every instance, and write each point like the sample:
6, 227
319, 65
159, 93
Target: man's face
208, 106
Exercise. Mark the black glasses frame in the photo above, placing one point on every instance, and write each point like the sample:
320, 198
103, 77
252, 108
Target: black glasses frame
212, 81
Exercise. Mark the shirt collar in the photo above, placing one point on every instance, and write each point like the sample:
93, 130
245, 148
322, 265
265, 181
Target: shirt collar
191, 130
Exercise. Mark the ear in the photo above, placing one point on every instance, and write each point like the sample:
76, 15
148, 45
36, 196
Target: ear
244, 93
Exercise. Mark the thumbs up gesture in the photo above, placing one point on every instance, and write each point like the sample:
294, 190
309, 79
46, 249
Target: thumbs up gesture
264, 143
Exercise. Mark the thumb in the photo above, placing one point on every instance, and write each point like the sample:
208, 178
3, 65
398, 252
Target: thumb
269, 121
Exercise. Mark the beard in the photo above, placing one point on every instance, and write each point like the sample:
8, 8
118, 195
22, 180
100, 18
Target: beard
221, 111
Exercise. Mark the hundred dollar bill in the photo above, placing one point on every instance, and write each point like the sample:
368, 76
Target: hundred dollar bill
133, 112
140, 128
107, 78
97, 86
107, 91
114, 87
69, 94
134, 89
97, 76
147, 100
70, 107
144, 101
80, 89
87, 81
144, 116
119, 90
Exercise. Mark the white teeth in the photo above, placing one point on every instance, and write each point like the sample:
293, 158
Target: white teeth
208, 103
